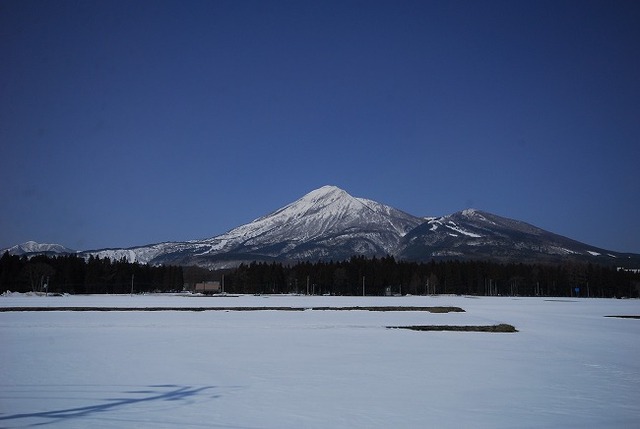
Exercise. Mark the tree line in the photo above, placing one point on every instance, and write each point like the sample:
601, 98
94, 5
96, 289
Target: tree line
356, 276
76, 275
384, 276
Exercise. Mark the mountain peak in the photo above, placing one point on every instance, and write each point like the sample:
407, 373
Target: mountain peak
469, 212
326, 191
322, 199
328, 188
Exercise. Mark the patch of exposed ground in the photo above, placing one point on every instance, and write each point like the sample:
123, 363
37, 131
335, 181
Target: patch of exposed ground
625, 317
503, 327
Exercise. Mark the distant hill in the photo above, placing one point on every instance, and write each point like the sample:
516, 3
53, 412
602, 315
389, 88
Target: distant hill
33, 248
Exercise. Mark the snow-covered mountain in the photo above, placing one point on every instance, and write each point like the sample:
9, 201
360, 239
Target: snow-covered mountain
31, 247
328, 223
481, 235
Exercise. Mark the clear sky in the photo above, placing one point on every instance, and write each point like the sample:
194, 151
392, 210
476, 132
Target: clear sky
126, 123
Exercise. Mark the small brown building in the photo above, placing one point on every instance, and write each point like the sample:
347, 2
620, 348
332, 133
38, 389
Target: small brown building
208, 287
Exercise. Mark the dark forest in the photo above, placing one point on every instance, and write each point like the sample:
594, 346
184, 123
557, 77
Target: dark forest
356, 276
76, 275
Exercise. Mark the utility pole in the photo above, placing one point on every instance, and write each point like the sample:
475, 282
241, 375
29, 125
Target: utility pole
363, 292
132, 276
588, 294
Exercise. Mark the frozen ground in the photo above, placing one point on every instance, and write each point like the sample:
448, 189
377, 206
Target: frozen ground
568, 367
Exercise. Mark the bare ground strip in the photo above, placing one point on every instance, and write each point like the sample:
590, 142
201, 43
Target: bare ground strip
625, 317
384, 308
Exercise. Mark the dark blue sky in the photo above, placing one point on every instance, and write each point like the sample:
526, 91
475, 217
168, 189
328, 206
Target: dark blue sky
126, 123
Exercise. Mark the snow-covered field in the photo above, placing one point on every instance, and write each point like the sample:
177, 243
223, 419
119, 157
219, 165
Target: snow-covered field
568, 367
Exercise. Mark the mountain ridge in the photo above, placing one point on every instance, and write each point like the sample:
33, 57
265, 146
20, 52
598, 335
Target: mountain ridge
329, 223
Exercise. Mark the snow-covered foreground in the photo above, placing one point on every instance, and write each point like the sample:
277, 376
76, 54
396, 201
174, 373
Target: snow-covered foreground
568, 367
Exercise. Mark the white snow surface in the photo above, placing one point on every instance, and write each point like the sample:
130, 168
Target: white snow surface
451, 225
443, 221
569, 366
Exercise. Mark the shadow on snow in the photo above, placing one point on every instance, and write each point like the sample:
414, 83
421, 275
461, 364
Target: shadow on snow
153, 393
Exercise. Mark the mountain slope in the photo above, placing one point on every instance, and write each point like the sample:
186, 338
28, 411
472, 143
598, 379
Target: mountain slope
481, 235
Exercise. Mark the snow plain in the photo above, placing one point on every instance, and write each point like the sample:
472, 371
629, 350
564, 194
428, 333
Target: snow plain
567, 367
